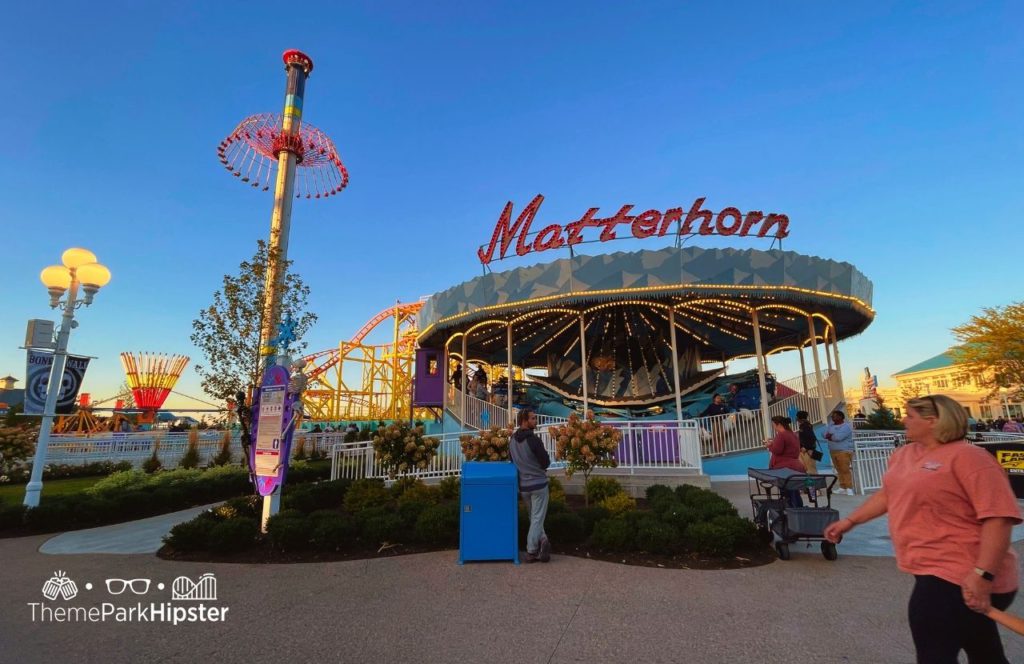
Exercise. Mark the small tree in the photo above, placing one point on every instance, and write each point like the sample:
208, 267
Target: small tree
153, 463
489, 445
883, 418
228, 331
992, 347
191, 457
223, 457
586, 445
403, 449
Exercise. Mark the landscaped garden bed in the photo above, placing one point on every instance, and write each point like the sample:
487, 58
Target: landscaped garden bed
134, 494
685, 527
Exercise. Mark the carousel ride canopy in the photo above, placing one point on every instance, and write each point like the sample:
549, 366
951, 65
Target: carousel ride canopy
624, 304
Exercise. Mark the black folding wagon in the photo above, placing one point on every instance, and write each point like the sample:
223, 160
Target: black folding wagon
777, 518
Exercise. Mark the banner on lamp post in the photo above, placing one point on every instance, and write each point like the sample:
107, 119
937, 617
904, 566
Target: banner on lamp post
37, 377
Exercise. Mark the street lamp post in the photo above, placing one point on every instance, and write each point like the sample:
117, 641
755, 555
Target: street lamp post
79, 270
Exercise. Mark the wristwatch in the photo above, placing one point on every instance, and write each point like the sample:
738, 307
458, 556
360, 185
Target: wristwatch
988, 576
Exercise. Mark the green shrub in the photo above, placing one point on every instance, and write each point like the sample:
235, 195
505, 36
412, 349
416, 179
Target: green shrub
438, 525
12, 516
742, 531
191, 457
366, 494
613, 535
655, 536
409, 511
565, 527
656, 490
243, 506
153, 463
308, 471
710, 539
317, 496
618, 503
684, 490
378, 525
558, 508
599, 488
420, 492
680, 516
664, 502
556, 491
120, 481
523, 522
51, 514
192, 535
590, 516
234, 535
450, 488
403, 484
709, 504
223, 457
333, 531
289, 530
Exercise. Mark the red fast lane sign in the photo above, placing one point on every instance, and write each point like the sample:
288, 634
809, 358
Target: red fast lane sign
729, 221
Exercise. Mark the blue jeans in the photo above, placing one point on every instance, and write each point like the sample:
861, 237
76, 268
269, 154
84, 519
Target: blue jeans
538, 503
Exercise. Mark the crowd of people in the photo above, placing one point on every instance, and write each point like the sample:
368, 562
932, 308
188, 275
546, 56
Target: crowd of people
1004, 424
478, 385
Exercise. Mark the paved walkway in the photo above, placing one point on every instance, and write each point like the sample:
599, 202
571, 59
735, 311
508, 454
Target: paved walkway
426, 608
868, 539
143, 536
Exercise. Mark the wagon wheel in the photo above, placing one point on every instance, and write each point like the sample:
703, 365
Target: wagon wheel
828, 549
782, 549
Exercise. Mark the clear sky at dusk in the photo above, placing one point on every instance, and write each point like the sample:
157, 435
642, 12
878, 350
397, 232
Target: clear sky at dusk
890, 133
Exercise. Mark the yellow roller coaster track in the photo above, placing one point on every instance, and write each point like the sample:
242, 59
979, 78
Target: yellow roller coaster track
361, 381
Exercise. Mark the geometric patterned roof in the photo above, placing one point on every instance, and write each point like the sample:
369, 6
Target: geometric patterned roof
835, 289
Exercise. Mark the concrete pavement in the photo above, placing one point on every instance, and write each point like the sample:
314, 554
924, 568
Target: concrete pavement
426, 608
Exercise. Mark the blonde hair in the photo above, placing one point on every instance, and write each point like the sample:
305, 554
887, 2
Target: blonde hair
950, 417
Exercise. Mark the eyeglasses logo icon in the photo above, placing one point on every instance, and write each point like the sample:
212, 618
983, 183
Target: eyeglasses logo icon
137, 586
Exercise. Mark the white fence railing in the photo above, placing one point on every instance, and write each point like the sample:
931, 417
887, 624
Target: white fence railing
135, 448
732, 432
480, 414
870, 461
661, 446
872, 450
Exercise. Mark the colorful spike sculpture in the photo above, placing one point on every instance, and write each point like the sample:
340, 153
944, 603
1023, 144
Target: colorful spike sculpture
152, 376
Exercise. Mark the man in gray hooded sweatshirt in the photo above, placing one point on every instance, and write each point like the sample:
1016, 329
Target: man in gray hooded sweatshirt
532, 461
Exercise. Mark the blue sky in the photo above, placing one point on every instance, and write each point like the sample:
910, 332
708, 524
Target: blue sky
890, 133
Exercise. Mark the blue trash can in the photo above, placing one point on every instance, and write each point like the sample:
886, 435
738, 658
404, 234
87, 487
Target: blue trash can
489, 523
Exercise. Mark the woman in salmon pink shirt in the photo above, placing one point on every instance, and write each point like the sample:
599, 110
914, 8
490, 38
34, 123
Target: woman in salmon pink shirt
950, 509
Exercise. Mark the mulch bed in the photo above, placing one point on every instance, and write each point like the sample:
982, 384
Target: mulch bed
266, 554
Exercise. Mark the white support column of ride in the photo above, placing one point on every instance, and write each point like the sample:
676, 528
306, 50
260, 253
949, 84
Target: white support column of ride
465, 370
823, 417
675, 371
446, 367
508, 397
803, 369
583, 366
839, 370
765, 422
828, 352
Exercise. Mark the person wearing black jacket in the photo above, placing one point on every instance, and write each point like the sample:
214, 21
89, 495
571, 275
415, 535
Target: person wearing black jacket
808, 442
532, 460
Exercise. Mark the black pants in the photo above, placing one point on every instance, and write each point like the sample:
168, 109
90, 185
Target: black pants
943, 625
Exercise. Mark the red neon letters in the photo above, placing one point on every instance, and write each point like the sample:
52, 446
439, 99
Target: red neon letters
730, 221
